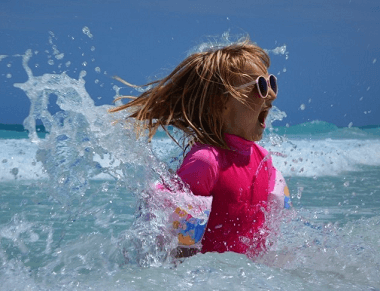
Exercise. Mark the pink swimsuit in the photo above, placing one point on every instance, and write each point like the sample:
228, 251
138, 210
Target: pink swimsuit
239, 181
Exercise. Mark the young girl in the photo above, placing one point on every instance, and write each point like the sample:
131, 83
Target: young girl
220, 99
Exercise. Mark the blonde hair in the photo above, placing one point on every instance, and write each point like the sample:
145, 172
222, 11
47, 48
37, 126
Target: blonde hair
192, 97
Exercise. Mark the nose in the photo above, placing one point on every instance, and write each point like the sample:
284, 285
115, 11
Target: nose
271, 94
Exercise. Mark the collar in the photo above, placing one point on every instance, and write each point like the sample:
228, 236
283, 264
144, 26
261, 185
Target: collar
239, 144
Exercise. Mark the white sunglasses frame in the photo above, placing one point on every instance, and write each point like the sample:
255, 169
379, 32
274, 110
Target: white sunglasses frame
257, 84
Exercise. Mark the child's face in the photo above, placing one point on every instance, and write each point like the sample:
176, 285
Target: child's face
249, 122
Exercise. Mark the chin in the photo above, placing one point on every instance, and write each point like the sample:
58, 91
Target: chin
258, 137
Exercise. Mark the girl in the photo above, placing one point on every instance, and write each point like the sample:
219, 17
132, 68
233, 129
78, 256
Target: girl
220, 99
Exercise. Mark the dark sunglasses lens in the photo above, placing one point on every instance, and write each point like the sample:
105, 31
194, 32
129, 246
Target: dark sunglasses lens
273, 83
262, 86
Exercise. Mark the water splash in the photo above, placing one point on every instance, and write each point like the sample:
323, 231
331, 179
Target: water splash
82, 145
280, 50
87, 32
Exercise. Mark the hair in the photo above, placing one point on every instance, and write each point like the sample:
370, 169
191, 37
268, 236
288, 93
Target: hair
192, 97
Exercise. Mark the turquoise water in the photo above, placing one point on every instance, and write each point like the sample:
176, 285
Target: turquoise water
68, 204
50, 240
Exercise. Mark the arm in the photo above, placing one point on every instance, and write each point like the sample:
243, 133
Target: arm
279, 191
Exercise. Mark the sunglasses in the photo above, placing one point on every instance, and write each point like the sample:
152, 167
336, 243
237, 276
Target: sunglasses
263, 85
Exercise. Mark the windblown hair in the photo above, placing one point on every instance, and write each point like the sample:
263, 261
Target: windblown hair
192, 97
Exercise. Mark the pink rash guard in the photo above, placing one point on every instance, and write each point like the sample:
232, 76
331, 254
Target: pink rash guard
239, 181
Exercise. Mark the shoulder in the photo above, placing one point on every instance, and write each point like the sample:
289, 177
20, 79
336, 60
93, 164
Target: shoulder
202, 158
205, 153
200, 169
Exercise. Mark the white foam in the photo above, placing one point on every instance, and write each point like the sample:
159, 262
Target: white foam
293, 158
17, 160
327, 157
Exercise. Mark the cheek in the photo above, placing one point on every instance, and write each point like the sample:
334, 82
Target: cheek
256, 98
236, 112
256, 105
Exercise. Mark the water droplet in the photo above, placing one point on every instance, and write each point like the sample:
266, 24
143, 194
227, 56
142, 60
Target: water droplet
97, 69
350, 124
299, 192
9, 76
92, 48
50, 62
14, 171
302, 107
346, 184
87, 32
374, 61
82, 74
59, 56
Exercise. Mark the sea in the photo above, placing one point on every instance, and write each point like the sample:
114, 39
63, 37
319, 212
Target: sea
73, 211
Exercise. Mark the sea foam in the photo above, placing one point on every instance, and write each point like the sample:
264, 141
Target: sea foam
293, 157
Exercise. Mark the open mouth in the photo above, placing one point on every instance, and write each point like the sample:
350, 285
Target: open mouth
262, 116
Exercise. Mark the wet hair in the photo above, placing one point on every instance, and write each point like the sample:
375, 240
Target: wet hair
193, 96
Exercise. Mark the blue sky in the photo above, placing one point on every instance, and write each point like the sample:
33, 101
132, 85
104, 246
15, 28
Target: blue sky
333, 48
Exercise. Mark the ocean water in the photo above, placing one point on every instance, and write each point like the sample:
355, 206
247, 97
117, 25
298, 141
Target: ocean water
69, 201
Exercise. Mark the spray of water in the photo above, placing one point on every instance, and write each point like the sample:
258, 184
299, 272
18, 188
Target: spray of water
83, 145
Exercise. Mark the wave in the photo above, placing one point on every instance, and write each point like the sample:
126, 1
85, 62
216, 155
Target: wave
318, 129
298, 154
